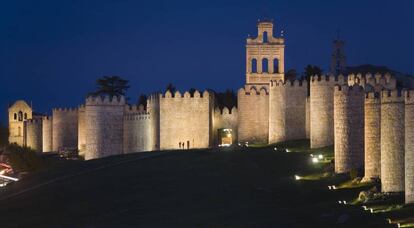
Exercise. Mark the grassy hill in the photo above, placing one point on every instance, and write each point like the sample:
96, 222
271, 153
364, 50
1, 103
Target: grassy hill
238, 187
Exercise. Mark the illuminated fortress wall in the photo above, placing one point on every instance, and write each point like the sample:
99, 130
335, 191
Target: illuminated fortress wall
392, 141
409, 146
225, 119
287, 111
65, 128
372, 136
186, 119
33, 133
253, 107
137, 130
104, 126
349, 128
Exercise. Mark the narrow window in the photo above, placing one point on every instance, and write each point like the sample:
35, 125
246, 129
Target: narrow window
15, 116
265, 37
275, 65
25, 116
265, 65
254, 66
20, 116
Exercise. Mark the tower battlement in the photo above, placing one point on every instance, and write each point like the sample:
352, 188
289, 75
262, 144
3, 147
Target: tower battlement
391, 96
63, 110
409, 96
349, 90
137, 116
253, 91
327, 79
186, 94
288, 83
106, 100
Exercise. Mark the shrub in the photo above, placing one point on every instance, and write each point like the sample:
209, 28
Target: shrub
23, 158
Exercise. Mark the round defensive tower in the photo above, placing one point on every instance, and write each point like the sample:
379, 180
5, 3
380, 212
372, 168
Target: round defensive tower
104, 126
321, 110
349, 128
372, 136
65, 128
47, 134
392, 141
409, 146
81, 131
33, 129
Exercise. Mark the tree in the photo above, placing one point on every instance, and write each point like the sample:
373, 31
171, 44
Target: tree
311, 70
226, 99
291, 74
142, 100
192, 91
111, 86
4, 135
171, 88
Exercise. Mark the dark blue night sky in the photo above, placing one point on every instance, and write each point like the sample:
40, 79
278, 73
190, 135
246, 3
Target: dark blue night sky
51, 52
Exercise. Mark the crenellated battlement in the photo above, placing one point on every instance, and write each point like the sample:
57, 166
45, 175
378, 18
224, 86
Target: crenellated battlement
137, 116
327, 80
135, 108
253, 91
409, 97
375, 96
288, 83
392, 96
34, 121
64, 110
186, 94
106, 100
225, 111
378, 81
348, 90
47, 118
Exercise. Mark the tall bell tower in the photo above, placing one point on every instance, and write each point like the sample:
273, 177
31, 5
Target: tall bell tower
265, 56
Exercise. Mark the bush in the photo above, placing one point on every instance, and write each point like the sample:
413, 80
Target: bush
23, 158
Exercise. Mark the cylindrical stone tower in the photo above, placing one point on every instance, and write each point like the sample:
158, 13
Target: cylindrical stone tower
47, 134
392, 141
81, 131
104, 126
65, 128
409, 146
372, 136
349, 128
33, 129
321, 110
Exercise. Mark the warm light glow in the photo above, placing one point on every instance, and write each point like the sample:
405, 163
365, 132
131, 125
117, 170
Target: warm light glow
287, 150
320, 156
297, 177
315, 160
8, 178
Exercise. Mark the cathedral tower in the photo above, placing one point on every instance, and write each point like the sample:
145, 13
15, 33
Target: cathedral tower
338, 61
265, 57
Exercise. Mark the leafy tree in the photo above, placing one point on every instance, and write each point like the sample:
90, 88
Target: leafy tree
111, 85
291, 74
4, 134
171, 88
311, 70
24, 158
192, 91
227, 99
142, 100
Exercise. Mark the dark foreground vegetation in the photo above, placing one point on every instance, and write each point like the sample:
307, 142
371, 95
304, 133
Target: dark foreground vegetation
230, 187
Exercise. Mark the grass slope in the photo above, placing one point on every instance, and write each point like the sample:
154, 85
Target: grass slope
248, 187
